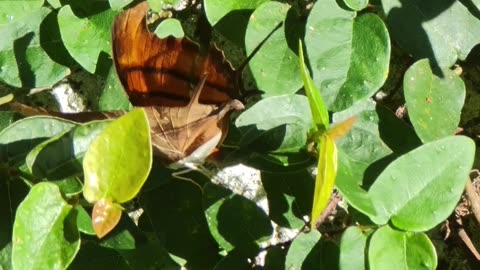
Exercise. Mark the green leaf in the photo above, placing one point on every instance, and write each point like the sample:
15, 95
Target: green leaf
396, 250
45, 234
113, 97
434, 104
119, 4
274, 66
18, 9
61, 156
317, 106
407, 191
325, 179
54, 3
23, 60
84, 222
276, 124
234, 221
86, 38
442, 31
328, 39
358, 152
356, 4
6, 119
369, 62
169, 27
216, 9
119, 160
22, 136
300, 248
352, 249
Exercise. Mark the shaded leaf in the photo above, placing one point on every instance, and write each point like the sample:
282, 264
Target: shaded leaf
274, 66
301, 246
118, 161
84, 222
434, 104
407, 191
113, 97
442, 31
45, 235
396, 250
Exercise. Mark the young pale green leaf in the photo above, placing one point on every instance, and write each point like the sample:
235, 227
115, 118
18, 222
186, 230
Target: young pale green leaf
113, 97
85, 38
328, 39
234, 221
434, 104
300, 248
352, 249
45, 235
118, 161
119, 4
369, 64
24, 62
54, 3
442, 31
22, 136
326, 173
61, 156
356, 4
105, 216
317, 106
274, 66
276, 124
217, 9
169, 27
6, 99
417, 191
397, 250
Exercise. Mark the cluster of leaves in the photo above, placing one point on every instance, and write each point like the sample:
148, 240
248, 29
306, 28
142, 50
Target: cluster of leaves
398, 181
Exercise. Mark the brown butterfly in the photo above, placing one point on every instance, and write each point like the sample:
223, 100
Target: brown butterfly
187, 123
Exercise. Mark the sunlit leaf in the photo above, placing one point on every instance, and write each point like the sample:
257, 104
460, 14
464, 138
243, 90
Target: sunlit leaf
105, 216
342, 128
326, 173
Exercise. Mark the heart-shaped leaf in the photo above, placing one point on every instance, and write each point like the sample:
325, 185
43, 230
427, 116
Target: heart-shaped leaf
217, 9
434, 104
396, 250
118, 161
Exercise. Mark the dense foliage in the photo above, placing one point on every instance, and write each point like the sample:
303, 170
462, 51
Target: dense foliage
400, 176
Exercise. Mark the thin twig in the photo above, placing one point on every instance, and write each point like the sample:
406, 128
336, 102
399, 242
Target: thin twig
474, 200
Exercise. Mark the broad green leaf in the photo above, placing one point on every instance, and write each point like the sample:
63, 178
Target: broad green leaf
61, 156
113, 97
369, 65
86, 38
45, 235
54, 3
356, 4
274, 66
119, 4
289, 196
17, 10
328, 39
169, 27
434, 104
188, 237
234, 221
217, 9
442, 31
352, 249
105, 216
407, 191
396, 250
325, 179
301, 246
22, 136
118, 161
277, 124
23, 60
317, 106
6, 119
359, 152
